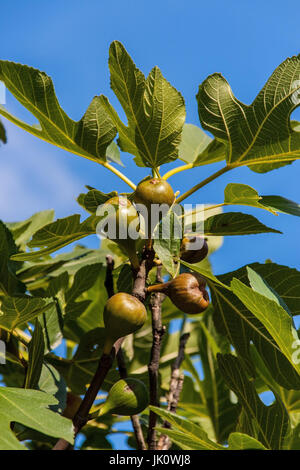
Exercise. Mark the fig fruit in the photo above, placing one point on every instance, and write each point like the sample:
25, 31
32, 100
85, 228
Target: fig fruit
123, 314
126, 397
152, 191
186, 291
72, 405
122, 214
190, 254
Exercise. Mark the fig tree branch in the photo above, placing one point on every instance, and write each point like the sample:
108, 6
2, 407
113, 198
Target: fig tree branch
109, 284
82, 415
109, 281
153, 366
106, 360
176, 384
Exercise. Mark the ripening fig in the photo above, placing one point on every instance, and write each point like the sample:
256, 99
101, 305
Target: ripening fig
190, 254
72, 405
120, 214
186, 291
123, 314
152, 191
126, 397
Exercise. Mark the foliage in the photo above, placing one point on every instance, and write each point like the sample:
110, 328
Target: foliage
243, 345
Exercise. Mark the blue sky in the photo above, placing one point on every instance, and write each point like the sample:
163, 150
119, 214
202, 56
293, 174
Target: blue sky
188, 40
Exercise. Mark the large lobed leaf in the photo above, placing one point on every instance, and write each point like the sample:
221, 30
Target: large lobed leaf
23, 231
271, 314
58, 234
242, 194
15, 311
240, 322
186, 433
154, 109
268, 424
259, 135
230, 223
88, 137
30, 408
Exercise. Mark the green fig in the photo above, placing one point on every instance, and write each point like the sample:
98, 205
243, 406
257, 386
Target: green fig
126, 397
152, 191
122, 215
123, 314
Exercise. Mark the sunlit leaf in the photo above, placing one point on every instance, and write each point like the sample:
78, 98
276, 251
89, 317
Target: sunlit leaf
242, 194
15, 311
271, 314
23, 231
259, 135
60, 233
154, 109
30, 408
88, 137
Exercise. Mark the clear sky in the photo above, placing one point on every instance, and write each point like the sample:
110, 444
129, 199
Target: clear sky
188, 40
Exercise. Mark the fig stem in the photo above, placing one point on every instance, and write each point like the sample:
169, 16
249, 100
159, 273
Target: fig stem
178, 169
108, 344
205, 182
162, 287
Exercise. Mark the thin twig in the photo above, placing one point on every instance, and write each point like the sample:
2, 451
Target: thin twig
139, 286
153, 367
109, 280
176, 384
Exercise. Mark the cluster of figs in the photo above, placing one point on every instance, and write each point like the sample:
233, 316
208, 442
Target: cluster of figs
124, 313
